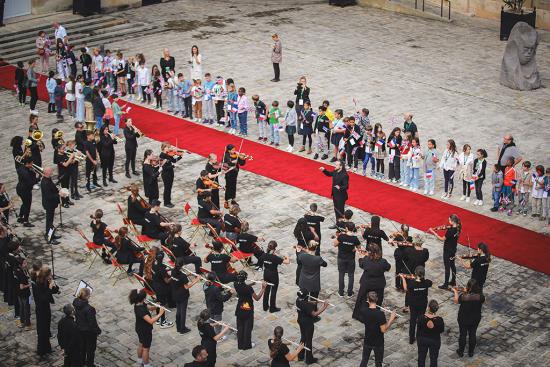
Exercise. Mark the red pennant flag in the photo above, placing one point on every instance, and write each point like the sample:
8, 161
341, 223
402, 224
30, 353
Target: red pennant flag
187, 208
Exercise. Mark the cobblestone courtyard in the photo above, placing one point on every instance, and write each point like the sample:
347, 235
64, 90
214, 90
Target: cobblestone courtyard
447, 74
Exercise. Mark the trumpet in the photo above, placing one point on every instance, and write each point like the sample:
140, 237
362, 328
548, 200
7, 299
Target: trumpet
78, 155
36, 168
117, 138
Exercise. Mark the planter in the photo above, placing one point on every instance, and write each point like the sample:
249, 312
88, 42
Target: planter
508, 20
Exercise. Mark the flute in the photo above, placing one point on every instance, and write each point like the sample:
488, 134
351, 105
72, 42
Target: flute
294, 343
204, 279
388, 311
222, 324
260, 282
321, 300
157, 305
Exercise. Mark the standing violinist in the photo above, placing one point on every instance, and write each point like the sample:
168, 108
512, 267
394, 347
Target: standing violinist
347, 243
314, 221
209, 214
151, 172
214, 169
169, 157
247, 244
130, 146
469, 315
479, 263
155, 225
233, 160
73, 172
417, 288
271, 262
128, 252
137, 206
450, 242
415, 255
182, 249
232, 223
221, 263
401, 241
180, 294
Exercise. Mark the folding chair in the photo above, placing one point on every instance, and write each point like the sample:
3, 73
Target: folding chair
171, 258
146, 287
92, 248
117, 267
235, 252
198, 226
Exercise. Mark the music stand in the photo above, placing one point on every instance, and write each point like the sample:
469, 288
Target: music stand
51, 233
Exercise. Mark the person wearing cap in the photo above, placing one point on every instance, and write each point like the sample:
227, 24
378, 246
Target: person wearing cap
154, 226
26, 179
276, 56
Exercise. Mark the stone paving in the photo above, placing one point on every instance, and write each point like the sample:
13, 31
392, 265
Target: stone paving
514, 329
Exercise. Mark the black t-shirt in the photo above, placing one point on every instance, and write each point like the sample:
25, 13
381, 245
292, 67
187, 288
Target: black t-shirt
152, 226
218, 262
199, 184
271, 263
322, 124
346, 246
245, 303
169, 161
451, 241
417, 292
414, 257
212, 171
181, 247
59, 159
279, 360
480, 267
315, 222
246, 242
22, 279
469, 312
375, 236
204, 209
305, 312
179, 280
373, 318
434, 333
373, 272
142, 326
90, 147
135, 210
99, 232
232, 223
207, 333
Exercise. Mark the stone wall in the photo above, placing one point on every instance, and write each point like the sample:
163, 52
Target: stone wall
489, 9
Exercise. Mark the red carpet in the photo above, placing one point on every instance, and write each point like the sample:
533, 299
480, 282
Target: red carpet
510, 242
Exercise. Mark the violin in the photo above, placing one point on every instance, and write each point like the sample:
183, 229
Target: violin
407, 276
441, 228
401, 243
108, 235
236, 155
460, 289
177, 152
212, 184
144, 204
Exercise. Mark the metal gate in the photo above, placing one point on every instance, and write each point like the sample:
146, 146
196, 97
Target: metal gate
16, 8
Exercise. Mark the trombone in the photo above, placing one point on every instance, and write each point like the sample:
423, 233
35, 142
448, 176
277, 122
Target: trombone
36, 168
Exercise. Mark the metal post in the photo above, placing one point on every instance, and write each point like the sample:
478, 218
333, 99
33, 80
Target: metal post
449, 10
442, 8
422, 5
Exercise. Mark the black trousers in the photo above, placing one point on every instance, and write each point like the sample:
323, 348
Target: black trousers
168, 179
339, 205
26, 201
470, 331
415, 313
91, 170
50, 212
146, 96
306, 337
244, 332
34, 97
73, 179
231, 185
276, 70
466, 188
43, 322
219, 111
107, 164
308, 137
478, 185
215, 223
181, 313
130, 159
449, 265
215, 197
346, 266
352, 156
195, 260
90, 344
270, 296
158, 99
22, 95
378, 355
379, 166
188, 103
426, 345
24, 310
394, 169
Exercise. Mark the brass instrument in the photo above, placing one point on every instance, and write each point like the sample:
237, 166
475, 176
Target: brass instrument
58, 134
36, 168
37, 136
78, 155
117, 138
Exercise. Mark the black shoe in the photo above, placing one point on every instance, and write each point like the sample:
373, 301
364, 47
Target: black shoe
135, 173
317, 319
55, 242
78, 196
316, 156
105, 183
341, 294
128, 175
113, 180
334, 159
56, 237
324, 157
185, 330
169, 205
66, 205
350, 294
97, 184
470, 354
274, 309
73, 196
494, 210
20, 220
460, 354
312, 361
443, 286
28, 225
332, 227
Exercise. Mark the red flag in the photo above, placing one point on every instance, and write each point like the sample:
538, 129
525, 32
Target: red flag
187, 208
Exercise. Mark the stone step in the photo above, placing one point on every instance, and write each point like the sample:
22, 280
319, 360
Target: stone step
74, 36
93, 41
8, 37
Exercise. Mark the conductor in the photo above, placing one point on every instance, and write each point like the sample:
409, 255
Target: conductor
340, 184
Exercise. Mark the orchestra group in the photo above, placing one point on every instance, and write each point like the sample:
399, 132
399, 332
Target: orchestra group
169, 266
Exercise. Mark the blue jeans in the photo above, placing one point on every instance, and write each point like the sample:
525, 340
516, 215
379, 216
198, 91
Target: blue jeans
179, 105
508, 193
52, 98
404, 171
496, 198
117, 124
233, 120
243, 127
415, 175
368, 157
98, 122
274, 133
429, 182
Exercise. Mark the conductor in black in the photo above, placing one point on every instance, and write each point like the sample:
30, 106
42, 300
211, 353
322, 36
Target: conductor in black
340, 184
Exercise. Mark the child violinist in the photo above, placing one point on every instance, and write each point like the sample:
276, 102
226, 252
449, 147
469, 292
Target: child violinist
399, 240
102, 236
128, 252
417, 288
450, 242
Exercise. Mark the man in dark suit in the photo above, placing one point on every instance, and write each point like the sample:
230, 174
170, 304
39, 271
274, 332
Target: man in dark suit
340, 184
130, 146
69, 338
26, 180
50, 200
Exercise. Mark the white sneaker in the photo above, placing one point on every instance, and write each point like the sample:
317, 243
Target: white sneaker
480, 202
36, 187
431, 193
166, 325
444, 195
468, 199
462, 198
425, 192
253, 344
